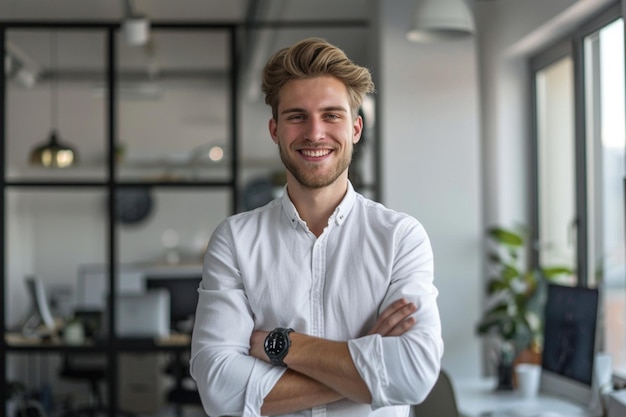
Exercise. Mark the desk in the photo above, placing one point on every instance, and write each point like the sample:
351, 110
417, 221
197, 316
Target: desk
139, 371
476, 397
175, 342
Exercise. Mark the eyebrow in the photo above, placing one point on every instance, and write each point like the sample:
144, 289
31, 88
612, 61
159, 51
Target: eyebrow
324, 109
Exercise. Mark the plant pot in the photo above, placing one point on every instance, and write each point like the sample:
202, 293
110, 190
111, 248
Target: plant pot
530, 355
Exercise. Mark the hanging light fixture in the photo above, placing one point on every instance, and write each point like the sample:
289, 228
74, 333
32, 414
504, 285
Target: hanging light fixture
136, 27
434, 20
53, 154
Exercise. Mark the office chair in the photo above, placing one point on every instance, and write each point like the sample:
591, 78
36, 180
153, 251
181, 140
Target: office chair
441, 402
90, 368
180, 394
91, 372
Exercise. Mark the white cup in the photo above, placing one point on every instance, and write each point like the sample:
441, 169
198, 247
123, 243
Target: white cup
528, 378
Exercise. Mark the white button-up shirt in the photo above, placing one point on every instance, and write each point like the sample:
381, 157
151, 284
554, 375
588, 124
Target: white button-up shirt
265, 269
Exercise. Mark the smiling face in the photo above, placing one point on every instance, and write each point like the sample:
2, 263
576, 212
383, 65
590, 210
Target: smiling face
315, 131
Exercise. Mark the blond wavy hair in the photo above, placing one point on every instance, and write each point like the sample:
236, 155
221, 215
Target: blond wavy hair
314, 57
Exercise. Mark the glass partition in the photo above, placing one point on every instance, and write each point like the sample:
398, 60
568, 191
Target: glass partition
174, 107
167, 237
50, 233
55, 121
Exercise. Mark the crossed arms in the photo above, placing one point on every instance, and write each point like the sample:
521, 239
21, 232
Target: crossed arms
322, 371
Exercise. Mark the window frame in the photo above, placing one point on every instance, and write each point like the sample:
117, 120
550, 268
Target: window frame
570, 45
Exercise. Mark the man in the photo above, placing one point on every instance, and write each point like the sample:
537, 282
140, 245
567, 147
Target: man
322, 302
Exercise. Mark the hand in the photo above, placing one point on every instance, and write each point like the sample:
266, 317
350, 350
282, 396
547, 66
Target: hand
257, 345
395, 320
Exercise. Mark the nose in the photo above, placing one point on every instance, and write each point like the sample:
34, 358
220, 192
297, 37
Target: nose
315, 130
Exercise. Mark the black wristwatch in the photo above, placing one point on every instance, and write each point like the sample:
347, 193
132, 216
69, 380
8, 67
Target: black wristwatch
277, 345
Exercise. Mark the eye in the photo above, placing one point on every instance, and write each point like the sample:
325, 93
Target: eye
332, 116
296, 117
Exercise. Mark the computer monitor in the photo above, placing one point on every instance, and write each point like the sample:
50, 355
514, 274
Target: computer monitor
143, 315
183, 297
40, 310
93, 284
569, 346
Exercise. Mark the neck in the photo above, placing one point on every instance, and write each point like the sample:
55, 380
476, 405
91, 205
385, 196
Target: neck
316, 205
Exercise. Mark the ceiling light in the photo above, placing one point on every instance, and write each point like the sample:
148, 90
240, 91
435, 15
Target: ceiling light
136, 30
53, 154
440, 20
136, 27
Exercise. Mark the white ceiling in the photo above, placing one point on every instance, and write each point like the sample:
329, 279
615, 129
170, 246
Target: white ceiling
84, 50
214, 10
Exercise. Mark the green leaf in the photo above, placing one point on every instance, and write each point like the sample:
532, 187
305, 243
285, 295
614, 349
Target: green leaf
509, 330
495, 285
554, 271
531, 281
506, 237
517, 289
509, 272
495, 258
495, 320
520, 303
499, 308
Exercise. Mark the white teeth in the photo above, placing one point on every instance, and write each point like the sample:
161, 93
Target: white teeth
315, 153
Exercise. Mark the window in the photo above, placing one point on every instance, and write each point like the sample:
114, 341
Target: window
580, 159
605, 144
555, 164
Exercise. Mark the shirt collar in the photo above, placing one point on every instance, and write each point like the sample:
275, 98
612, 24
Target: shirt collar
344, 208
339, 215
290, 210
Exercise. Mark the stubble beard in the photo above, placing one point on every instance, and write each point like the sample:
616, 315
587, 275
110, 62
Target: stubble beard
312, 179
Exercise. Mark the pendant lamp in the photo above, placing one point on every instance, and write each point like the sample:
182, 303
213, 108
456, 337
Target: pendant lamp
53, 153
434, 20
136, 27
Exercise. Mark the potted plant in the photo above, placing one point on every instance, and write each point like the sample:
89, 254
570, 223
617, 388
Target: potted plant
516, 294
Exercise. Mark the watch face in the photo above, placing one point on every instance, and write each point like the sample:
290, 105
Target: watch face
275, 344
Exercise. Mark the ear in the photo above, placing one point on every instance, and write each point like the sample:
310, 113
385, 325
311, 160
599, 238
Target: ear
357, 128
273, 128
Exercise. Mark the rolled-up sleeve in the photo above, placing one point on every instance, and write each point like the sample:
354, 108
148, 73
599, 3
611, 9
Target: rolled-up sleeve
403, 369
230, 382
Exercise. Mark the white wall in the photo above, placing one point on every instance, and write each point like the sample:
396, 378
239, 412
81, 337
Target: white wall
431, 166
